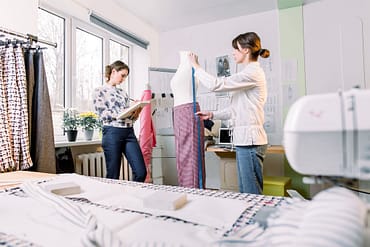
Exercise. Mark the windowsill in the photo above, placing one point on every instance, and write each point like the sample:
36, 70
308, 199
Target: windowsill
59, 144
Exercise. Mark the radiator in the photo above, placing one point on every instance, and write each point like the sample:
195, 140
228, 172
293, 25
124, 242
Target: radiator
93, 164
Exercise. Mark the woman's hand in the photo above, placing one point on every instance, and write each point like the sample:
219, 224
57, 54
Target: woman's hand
193, 59
205, 115
135, 114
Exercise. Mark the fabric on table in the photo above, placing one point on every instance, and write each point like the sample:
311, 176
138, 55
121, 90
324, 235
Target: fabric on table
118, 205
335, 217
96, 234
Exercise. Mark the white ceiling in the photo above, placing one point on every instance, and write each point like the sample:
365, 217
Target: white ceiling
165, 15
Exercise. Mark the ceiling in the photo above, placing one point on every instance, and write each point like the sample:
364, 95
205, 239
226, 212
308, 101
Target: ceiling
165, 15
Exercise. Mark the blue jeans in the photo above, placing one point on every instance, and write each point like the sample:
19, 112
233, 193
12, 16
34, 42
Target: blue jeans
249, 161
122, 140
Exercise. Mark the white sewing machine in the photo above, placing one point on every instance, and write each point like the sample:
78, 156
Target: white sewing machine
329, 134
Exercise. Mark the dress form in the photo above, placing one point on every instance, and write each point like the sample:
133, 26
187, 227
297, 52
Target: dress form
188, 141
181, 82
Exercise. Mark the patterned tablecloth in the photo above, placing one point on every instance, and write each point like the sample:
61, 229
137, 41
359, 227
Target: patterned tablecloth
208, 216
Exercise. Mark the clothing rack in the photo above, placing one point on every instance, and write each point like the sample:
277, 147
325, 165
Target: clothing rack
30, 37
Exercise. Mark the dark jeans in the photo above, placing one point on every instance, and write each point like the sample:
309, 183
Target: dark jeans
122, 140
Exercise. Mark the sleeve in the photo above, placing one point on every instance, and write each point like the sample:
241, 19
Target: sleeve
241, 80
223, 114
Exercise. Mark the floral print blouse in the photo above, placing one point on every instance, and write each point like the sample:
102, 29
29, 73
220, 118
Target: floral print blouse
109, 102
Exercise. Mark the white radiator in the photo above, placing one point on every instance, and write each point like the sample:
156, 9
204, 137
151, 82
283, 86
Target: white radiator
93, 164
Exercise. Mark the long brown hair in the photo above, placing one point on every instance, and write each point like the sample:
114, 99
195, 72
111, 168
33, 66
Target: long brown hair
252, 41
117, 65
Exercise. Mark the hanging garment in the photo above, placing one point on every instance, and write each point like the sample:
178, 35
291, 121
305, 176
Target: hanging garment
187, 146
42, 133
189, 136
30, 75
6, 159
25, 159
14, 85
147, 134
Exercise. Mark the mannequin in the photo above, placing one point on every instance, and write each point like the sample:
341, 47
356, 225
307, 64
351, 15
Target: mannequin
181, 83
189, 149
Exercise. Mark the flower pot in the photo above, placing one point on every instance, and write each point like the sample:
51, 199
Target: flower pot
71, 135
88, 134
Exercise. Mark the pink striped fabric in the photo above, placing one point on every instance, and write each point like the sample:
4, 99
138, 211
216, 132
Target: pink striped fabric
186, 141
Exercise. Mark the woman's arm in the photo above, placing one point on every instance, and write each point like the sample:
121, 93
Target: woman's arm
242, 80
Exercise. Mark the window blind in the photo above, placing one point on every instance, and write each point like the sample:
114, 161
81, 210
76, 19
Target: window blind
118, 31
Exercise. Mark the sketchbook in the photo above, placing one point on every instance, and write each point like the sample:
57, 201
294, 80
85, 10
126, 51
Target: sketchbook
130, 110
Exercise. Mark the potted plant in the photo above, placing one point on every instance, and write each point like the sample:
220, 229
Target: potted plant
89, 121
71, 122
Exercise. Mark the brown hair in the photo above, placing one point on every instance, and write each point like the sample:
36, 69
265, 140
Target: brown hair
253, 42
117, 65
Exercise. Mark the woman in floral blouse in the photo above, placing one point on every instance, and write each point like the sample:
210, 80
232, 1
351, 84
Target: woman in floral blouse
118, 134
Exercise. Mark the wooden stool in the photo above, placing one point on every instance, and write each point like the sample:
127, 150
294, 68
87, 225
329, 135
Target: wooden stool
276, 186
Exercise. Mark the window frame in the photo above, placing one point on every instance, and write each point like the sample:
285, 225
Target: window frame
71, 24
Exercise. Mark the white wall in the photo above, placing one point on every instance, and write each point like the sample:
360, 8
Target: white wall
19, 16
214, 39
337, 45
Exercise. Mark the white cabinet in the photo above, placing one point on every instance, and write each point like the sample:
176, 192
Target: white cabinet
164, 170
212, 170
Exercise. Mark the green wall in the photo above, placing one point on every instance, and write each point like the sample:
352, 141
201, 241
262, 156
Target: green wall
292, 49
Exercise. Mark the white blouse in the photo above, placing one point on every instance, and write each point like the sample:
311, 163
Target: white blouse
248, 96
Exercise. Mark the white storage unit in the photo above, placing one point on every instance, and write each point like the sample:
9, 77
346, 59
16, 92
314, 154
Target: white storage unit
164, 161
157, 171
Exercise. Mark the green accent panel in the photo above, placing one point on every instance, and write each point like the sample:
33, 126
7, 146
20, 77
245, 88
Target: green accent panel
292, 42
296, 183
292, 49
285, 4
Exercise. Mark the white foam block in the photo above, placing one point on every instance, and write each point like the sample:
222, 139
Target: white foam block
64, 189
165, 200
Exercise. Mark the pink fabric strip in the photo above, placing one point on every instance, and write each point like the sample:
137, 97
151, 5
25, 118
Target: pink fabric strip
147, 134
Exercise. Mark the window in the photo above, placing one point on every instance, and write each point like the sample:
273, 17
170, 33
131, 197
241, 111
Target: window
76, 67
119, 51
51, 28
89, 69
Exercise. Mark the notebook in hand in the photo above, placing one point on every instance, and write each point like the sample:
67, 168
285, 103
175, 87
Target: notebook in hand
130, 110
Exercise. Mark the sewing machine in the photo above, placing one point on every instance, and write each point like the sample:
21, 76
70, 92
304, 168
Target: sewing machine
328, 136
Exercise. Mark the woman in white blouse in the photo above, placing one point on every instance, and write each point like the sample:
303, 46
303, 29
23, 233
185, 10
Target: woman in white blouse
248, 96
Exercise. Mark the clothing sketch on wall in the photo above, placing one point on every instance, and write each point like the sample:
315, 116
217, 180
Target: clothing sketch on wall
189, 149
223, 66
